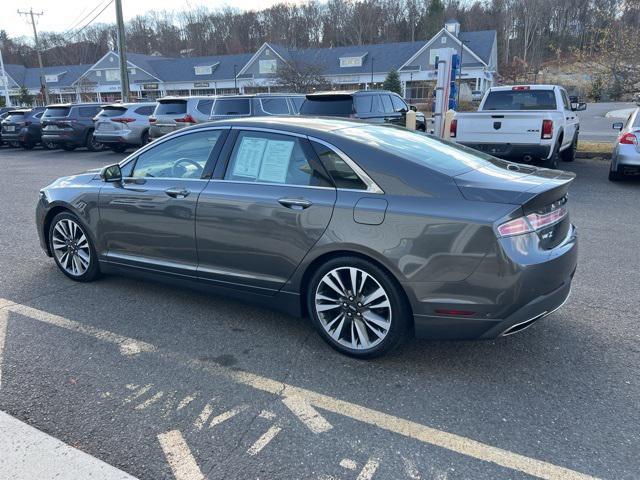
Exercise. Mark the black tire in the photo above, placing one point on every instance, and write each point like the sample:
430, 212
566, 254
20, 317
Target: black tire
28, 145
91, 143
399, 311
93, 270
49, 145
68, 148
145, 138
615, 176
569, 155
119, 148
14, 144
552, 162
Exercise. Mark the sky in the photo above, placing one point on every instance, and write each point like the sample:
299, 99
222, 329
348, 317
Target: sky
59, 15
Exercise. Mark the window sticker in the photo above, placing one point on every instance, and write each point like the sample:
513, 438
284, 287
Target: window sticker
275, 161
249, 157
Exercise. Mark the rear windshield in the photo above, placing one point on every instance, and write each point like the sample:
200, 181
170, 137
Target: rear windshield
330, 105
432, 152
112, 112
56, 112
15, 117
520, 100
171, 107
232, 106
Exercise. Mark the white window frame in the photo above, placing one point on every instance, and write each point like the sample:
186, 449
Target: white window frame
52, 78
112, 75
203, 70
443, 39
346, 62
268, 66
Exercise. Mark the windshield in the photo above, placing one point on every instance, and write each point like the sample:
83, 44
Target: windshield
56, 112
232, 106
329, 105
520, 100
171, 107
440, 155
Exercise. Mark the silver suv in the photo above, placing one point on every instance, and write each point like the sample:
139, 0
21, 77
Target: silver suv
174, 113
123, 125
256, 105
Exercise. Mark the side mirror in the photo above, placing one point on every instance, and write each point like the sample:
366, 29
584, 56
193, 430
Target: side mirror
111, 173
413, 107
618, 126
579, 107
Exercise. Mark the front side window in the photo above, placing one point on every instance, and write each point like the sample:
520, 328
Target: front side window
271, 158
88, 111
342, 174
398, 104
387, 106
363, 103
181, 157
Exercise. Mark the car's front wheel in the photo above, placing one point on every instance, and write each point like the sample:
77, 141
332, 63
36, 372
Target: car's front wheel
47, 145
357, 307
72, 248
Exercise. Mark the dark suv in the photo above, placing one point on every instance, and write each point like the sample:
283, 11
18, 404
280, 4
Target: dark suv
374, 106
70, 125
21, 127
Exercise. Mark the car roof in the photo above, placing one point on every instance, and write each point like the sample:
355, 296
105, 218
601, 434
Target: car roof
69, 105
288, 123
346, 93
530, 87
187, 97
130, 104
259, 95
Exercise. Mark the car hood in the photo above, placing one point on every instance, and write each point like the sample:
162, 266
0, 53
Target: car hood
515, 184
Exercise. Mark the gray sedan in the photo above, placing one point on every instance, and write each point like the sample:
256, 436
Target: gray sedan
376, 233
626, 153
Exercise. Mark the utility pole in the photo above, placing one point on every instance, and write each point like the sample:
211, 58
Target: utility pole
235, 79
122, 55
5, 81
43, 83
371, 73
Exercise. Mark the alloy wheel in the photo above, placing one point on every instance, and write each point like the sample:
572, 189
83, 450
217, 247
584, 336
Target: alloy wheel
353, 308
71, 247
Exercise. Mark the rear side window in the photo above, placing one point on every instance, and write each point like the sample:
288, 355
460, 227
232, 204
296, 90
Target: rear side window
172, 107
262, 157
329, 105
56, 112
204, 106
145, 111
520, 100
232, 106
363, 103
387, 106
275, 106
109, 112
341, 173
15, 117
88, 111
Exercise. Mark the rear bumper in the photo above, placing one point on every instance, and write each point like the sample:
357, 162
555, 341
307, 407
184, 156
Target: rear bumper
623, 156
157, 131
118, 138
71, 137
513, 152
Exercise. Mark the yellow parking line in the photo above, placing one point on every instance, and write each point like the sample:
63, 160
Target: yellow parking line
179, 457
422, 433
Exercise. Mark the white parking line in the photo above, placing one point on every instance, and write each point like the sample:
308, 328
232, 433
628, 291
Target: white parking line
264, 440
369, 469
179, 457
348, 464
4, 319
150, 401
138, 393
186, 401
307, 414
203, 417
223, 417
422, 433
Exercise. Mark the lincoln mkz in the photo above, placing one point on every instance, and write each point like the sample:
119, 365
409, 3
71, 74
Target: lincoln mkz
374, 232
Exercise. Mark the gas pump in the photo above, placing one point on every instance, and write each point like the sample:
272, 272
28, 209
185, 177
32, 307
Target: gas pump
447, 66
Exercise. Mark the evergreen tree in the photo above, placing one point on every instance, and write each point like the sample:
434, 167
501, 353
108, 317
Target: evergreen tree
392, 82
25, 98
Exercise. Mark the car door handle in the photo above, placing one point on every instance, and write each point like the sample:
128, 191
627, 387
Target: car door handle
295, 203
177, 192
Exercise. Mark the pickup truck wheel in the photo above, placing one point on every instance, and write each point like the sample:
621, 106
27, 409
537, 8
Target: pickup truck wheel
552, 162
569, 155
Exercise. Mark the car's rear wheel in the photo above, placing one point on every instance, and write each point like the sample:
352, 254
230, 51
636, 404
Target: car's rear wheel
91, 143
145, 138
615, 176
357, 307
119, 148
28, 145
552, 161
72, 248
569, 155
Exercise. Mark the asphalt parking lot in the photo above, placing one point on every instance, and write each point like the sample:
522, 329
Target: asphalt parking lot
162, 382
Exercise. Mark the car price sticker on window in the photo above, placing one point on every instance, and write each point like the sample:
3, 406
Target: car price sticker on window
275, 162
249, 157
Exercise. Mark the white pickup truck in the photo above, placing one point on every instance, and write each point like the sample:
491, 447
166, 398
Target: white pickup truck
523, 123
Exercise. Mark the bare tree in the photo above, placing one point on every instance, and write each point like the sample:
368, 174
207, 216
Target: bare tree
301, 77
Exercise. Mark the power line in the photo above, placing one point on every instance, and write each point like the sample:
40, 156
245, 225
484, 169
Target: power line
75, 24
90, 21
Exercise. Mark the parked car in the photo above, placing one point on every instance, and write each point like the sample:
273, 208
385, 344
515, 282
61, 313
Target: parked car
260, 104
70, 125
373, 231
123, 125
3, 114
21, 128
374, 106
524, 123
174, 113
626, 153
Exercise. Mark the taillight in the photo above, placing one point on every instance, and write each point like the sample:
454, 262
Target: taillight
152, 119
453, 128
531, 222
123, 120
547, 129
521, 87
186, 119
628, 139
